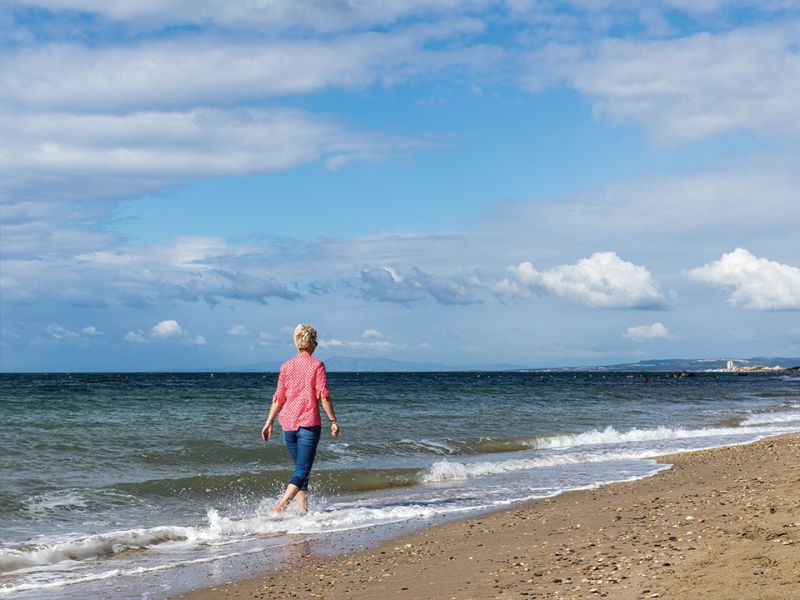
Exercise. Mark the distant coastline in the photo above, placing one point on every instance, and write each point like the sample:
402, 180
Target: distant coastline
345, 364
356, 364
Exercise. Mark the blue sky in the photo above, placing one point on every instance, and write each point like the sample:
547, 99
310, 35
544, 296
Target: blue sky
535, 182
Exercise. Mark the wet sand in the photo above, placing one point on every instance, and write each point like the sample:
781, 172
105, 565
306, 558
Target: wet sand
720, 524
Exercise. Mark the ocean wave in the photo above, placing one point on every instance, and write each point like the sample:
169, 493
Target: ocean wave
609, 435
428, 447
218, 530
56, 503
208, 452
254, 485
783, 416
93, 546
490, 445
446, 470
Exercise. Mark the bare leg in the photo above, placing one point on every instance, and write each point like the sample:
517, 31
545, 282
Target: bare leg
291, 491
302, 501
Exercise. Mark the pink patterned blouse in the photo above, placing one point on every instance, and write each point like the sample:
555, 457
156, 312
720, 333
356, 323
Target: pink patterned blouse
301, 384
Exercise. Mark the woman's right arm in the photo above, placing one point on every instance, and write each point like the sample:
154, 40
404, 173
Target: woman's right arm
278, 399
266, 431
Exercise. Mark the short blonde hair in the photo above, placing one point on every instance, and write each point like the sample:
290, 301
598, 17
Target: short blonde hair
305, 337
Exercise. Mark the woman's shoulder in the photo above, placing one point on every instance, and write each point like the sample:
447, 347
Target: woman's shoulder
302, 359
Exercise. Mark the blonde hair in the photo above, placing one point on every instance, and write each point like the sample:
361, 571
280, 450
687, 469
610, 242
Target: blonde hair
305, 337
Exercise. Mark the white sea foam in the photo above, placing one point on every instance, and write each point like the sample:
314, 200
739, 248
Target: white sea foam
448, 470
429, 446
92, 546
609, 435
56, 500
613, 445
784, 416
219, 530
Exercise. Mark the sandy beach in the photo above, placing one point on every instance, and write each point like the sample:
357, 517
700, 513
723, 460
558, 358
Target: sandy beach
721, 523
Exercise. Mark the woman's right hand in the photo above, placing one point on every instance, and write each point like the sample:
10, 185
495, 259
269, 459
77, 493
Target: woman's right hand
266, 432
334, 429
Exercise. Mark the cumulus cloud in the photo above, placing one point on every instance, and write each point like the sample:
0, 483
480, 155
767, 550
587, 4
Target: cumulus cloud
167, 329
641, 333
92, 330
756, 283
372, 333
135, 336
603, 280
60, 333
238, 330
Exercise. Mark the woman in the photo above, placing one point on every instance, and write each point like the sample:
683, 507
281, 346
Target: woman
302, 383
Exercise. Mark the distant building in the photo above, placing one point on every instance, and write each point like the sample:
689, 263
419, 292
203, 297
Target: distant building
731, 366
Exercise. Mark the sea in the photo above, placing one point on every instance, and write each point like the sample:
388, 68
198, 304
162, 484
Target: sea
146, 485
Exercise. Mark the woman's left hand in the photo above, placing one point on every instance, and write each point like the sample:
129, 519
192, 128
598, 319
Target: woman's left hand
334, 429
266, 432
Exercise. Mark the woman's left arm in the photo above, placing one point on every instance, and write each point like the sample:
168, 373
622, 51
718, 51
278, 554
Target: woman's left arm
325, 395
328, 406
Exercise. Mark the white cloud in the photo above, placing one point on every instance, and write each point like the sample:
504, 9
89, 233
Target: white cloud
372, 333
203, 71
603, 280
40, 261
164, 330
58, 332
135, 336
267, 340
167, 329
385, 284
274, 15
756, 283
379, 345
59, 155
238, 330
641, 333
92, 330
686, 89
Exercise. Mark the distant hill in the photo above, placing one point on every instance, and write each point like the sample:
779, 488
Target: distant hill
694, 364
355, 364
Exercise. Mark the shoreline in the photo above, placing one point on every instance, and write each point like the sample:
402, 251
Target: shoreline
720, 523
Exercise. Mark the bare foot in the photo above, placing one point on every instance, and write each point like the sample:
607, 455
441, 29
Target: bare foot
291, 490
302, 502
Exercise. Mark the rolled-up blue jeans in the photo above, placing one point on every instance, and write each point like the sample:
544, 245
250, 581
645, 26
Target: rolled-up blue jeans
302, 445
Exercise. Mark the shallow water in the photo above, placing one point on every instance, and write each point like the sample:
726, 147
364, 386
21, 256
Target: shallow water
115, 482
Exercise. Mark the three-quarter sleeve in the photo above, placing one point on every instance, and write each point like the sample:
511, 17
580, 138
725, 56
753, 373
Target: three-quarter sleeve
280, 390
321, 383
